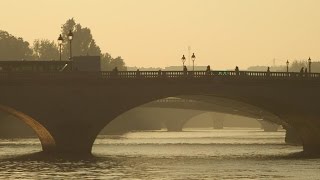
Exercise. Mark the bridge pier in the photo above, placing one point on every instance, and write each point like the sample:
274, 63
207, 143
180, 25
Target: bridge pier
310, 139
218, 124
72, 144
292, 136
269, 126
175, 119
304, 130
175, 125
217, 120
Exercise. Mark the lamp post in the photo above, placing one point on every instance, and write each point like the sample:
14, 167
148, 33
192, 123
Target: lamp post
193, 57
287, 66
60, 41
70, 37
183, 59
309, 62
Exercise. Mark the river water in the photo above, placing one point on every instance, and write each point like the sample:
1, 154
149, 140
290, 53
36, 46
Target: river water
193, 154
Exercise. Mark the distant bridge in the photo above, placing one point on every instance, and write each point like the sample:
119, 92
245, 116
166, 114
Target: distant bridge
215, 104
68, 109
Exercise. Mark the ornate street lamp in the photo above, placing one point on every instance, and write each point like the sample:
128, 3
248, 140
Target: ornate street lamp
193, 58
287, 66
70, 37
60, 41
183, 59
309, 62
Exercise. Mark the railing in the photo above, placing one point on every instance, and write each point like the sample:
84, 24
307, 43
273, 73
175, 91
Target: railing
207, 74
157, 75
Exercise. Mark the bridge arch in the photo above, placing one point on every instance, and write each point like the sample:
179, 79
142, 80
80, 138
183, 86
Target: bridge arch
46, 139
210, 104
241, 100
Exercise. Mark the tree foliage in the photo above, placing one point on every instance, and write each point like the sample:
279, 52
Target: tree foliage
119, 63
82, 43
13, 48
111, 63
45, 50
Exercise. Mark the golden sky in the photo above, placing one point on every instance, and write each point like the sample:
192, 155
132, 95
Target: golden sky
222, 33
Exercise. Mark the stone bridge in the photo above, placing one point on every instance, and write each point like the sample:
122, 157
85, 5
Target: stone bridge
67, 110
216, 104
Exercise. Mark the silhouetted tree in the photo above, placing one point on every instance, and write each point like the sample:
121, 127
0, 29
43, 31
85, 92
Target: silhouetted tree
82, 43
119, 63
13, 48
45, 50
110, 63
106, 59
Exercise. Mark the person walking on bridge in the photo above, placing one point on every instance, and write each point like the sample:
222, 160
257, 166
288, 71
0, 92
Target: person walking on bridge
138, 73
208, 70
237, 71
185, 70
306, 72
159, 73
301, 71
268, 72
115, 71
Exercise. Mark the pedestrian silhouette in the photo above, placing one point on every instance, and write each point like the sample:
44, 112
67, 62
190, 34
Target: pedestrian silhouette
306, 72
268, 72
237, 70
115, 71
159, 73
208, 70
185, 70
301, 71
138, 73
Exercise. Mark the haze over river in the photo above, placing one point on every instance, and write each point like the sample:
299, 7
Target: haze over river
192, 154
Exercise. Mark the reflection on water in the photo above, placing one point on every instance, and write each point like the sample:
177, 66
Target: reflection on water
194, 154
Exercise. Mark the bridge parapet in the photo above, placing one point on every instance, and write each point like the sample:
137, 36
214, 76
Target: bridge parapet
159, 75
207, 74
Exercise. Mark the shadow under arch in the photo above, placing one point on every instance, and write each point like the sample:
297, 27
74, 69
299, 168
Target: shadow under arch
46, 139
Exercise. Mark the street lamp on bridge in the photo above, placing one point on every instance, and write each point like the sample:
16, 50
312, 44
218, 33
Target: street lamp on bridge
287, 66
60, 41
70, 37
183, 59
309, 62
193, 57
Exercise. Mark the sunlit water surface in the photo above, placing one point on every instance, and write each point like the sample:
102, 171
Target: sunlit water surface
193, 154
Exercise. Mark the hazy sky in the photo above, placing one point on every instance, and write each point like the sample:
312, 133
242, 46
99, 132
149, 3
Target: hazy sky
222, 33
